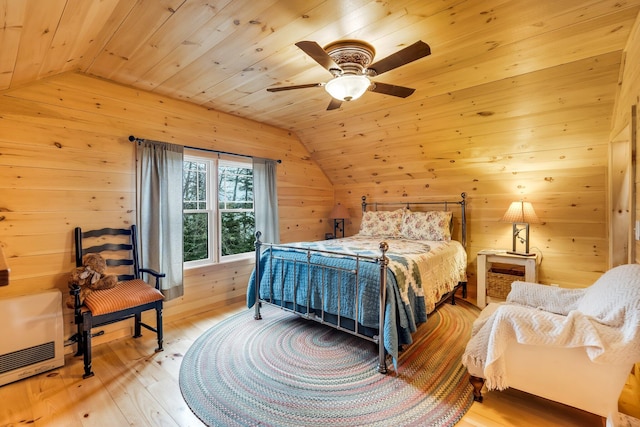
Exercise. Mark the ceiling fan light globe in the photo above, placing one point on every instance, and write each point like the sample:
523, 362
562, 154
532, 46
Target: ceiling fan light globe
347, 88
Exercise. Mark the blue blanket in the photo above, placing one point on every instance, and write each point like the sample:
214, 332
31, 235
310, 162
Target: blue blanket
309, 286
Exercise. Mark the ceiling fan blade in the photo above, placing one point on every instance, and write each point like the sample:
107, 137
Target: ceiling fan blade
280, 89
393, 90
334, 104
315, 51
402, 57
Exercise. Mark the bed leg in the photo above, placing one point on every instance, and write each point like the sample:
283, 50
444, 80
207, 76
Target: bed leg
256, 314
477, 384
382, 355
464, 289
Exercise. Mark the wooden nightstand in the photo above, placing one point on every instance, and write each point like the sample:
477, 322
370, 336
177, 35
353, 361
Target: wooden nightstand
488, 257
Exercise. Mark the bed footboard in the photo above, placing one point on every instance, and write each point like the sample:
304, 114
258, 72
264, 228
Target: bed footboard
308, 298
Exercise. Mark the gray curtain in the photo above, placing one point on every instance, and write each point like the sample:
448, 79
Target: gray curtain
265, 198
159, 200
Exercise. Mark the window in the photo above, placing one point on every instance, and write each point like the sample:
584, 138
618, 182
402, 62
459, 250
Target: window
235, 201
219, 220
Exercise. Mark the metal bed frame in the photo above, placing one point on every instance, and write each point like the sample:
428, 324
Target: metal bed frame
381, 260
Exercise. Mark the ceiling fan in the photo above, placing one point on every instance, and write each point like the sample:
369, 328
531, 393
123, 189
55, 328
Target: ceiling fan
350, 63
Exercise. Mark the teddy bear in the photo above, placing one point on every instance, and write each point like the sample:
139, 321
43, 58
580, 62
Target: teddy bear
90, 277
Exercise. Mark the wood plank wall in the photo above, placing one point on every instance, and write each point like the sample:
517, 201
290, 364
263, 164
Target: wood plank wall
484, 143
65, 160
628, 97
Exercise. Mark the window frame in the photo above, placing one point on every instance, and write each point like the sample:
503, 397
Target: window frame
210, 208
213, 161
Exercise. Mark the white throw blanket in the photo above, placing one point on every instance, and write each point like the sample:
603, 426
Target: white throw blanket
604, 319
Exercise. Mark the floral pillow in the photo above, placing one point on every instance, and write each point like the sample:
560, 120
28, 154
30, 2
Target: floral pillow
381, 223
435, 225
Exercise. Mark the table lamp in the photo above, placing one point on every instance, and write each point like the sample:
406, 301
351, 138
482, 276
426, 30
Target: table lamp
521, 214
338, 214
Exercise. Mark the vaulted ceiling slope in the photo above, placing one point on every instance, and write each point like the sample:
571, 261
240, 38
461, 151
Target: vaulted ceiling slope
496, 65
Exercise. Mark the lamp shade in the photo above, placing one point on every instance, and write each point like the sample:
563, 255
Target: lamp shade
339, 212
521, 212
347, 87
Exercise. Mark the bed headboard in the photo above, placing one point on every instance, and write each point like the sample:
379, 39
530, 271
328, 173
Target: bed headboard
443, 205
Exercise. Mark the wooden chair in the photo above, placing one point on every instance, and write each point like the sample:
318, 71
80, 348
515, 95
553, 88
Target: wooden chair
130, 298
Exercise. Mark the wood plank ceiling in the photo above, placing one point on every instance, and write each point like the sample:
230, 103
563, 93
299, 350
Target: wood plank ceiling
224, 54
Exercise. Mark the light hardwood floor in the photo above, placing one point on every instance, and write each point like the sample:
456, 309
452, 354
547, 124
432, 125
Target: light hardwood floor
133, 386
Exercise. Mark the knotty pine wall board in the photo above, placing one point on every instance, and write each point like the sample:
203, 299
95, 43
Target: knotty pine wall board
502, 179
61, 179
75, 33
39, 200
477, 140
503, 99
430, 107
27, 61
59, 156
158, 56
225, 282
196, 79
139, 21
628, 96
327, 20
506, 107
455, 155
573, 221
495, 61
254, 138
396, 168
518, 149
213, 129
66, 161
449, 71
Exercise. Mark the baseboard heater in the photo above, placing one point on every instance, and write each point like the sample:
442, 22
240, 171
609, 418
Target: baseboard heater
31, 340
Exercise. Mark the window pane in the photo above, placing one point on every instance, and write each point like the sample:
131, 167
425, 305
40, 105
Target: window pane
235, 184
239, 205
189, 184
194, 185
196, 236
237, 232
202, 185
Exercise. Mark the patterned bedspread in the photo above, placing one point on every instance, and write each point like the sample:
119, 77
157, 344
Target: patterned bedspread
419, 274
437, 265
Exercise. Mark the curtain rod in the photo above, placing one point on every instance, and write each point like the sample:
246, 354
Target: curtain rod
138, 140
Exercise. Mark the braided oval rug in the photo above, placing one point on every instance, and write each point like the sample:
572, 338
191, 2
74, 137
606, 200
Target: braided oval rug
287, 371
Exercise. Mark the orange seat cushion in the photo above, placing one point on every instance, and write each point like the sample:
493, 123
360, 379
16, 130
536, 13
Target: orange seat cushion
131, 293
